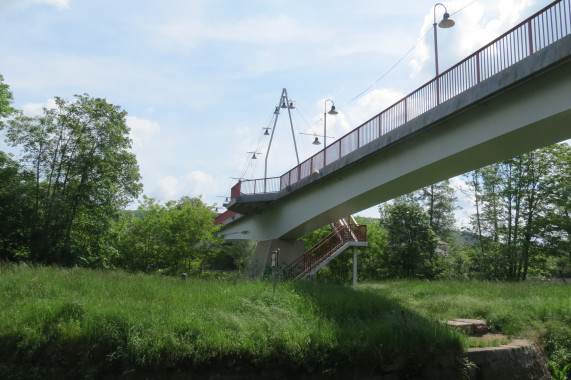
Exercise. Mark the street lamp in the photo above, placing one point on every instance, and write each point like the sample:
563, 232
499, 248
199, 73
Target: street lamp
332, 111
316, 141
446, 22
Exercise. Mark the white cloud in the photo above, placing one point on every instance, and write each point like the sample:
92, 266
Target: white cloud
59, 4
463, 191
36, 109
169, 188
465, 202
512, 11
268, 29
142, 130
476, 25
371, 212
378, 99
193, 184
256, 30
364, 108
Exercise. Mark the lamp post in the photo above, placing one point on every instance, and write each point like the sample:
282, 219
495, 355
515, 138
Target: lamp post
285, 103
446, 22
332, 111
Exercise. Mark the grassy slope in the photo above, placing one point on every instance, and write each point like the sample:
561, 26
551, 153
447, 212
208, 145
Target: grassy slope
97, 322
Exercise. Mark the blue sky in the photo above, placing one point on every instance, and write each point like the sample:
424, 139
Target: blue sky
200, 79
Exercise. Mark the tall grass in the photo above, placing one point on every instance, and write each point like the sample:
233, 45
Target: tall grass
56, 322
539, 311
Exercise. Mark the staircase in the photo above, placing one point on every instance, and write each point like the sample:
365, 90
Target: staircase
346, 233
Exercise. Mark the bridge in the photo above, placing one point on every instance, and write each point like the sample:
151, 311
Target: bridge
510, 97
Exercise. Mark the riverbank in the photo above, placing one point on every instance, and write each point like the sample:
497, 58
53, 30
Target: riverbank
78, 323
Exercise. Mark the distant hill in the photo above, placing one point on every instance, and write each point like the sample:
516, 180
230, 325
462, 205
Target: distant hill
465, 237
366, 220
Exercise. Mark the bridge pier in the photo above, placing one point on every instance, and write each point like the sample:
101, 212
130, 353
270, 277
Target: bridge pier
289, 251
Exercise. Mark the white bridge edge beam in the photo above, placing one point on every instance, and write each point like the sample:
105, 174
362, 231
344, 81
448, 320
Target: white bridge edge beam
531, 114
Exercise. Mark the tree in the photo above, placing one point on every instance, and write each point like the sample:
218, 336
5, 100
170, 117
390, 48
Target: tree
473, 180
84, 175
16, 194
457, 263
141, 236
173, 236
411, 243
15, 211
191, 233
6, 99
439, 202
555, 224
241, 252
522, 210
370, 259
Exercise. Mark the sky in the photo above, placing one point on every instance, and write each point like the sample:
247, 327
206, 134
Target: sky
200, 79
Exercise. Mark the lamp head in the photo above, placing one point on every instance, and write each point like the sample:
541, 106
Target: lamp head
333, 111
446, 22
316, 141
291, 106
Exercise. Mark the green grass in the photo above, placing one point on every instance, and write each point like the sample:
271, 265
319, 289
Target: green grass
539, 311
81, 323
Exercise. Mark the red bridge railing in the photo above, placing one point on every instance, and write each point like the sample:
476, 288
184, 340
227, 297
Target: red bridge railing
538, 31
256, 186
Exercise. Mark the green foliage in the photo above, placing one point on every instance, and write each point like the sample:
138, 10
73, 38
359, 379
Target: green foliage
539, 311
411, 243
339, 269
6, 99
559, 374
241, 252
312, 238
84, 174
170, 236
557, 342
523, 212
439, 202
466, 368
456, 264
370, 259
16, 212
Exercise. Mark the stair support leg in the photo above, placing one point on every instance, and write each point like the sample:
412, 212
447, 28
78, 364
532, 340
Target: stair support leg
354, 265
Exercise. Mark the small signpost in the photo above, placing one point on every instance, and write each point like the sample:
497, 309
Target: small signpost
274, 265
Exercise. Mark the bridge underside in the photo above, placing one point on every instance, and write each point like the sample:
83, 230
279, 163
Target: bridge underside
522, 108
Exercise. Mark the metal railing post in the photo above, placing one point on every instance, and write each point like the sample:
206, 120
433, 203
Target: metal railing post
530, 36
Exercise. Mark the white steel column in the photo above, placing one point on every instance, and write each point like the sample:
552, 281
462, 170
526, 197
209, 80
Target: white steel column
354, 265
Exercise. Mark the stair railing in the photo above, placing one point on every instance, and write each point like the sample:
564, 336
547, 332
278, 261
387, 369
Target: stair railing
342, 233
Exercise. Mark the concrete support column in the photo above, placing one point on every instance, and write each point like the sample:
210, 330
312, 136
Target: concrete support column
354, 265
289, 251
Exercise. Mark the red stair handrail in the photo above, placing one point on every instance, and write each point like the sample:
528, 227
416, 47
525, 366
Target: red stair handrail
340, 235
